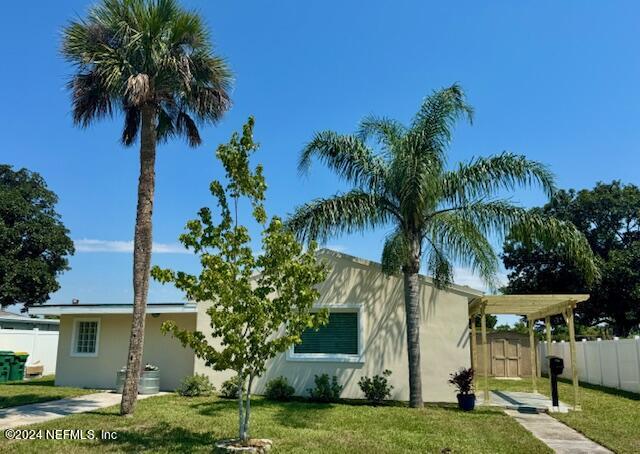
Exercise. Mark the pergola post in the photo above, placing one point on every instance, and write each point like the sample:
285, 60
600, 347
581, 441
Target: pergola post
574, 366
485, 353
474, 352
532, 350
547, 328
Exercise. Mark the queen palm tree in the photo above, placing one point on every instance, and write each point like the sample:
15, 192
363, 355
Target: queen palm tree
153, 62
439, 216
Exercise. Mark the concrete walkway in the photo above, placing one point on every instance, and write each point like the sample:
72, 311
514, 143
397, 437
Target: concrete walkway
527, 402
35, 413
559, 437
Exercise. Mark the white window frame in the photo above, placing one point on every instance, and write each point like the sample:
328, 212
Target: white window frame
76, 322
292, 356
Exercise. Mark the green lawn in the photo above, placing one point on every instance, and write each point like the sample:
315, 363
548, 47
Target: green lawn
609, 416
176, 424
38, 390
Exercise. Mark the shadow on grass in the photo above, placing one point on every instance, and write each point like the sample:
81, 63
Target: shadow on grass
25, 399
605, 389
162, 437
49, 381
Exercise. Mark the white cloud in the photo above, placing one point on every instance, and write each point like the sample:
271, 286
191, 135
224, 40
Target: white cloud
91, 245
465, 276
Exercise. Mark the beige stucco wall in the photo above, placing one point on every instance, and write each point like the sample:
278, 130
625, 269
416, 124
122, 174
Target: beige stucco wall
443, 333
175, 362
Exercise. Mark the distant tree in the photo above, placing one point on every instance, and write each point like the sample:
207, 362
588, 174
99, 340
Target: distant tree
153, 62
609, 217
260, 302
518, 327
491, 321
34, 244
438, 215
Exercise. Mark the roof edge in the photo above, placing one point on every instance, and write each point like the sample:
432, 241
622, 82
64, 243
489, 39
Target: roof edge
464, 289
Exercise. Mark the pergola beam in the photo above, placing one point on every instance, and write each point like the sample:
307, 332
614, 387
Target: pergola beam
533, 307
554, 309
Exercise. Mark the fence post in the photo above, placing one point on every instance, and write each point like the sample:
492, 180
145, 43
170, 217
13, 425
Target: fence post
586, 364
599, 350
615, 346
34, 349
637, 339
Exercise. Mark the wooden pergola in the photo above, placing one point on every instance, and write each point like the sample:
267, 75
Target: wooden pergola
533, 307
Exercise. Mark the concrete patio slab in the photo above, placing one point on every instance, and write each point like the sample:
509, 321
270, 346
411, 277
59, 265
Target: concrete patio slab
45, 411
525, 402
559, 437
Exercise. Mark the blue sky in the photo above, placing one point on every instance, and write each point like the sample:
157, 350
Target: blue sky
557, 81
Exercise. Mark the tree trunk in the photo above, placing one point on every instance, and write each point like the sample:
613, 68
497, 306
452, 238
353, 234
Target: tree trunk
240, 407
142, 243
247, 412
412, 309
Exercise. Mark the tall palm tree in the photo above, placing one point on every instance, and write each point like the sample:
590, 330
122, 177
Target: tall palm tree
440, 215
153, 62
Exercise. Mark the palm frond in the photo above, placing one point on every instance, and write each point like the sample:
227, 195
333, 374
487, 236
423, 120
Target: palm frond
131, 125
354, 211
462, 242
394, 253
346, 155
483, 177
439, 267
433, 124
563, 236
91, 100
385, 131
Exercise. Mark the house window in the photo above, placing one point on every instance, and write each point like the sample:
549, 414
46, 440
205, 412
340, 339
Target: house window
339, 340
85, 337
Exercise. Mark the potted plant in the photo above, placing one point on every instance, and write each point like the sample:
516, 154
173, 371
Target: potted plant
463, 381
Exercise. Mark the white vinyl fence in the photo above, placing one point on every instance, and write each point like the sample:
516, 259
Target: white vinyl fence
613, 363
41, 345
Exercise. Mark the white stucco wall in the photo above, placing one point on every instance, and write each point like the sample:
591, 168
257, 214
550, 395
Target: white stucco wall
175, 362
444, 334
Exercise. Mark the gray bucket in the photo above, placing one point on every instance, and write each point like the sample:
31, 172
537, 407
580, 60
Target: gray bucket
149, 382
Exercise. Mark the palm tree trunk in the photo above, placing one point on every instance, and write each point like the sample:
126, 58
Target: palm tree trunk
142, 243
412, 309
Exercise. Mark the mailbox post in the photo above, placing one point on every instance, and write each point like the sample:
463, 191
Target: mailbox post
556, 366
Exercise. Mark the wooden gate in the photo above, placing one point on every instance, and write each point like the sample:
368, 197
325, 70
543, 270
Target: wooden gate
508, 354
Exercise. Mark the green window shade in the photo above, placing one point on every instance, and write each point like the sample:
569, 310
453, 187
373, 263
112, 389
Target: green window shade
340, 335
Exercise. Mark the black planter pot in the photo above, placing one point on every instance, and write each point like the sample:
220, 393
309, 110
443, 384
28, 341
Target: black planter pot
466, 402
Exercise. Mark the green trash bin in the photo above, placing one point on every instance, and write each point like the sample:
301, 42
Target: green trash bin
6, 358
17, 366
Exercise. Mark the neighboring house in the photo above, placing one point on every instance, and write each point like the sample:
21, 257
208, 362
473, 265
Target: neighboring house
36, 336
9, 320
366, 334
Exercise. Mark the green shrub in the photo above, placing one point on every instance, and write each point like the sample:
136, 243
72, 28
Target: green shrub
325, 390
229, 389
376, 389
279, 389
196, 385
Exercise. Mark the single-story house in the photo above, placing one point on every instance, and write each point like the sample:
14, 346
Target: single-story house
9, 320
365, 335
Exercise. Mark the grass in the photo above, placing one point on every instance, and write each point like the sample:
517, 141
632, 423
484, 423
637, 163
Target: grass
34, 391
176, 424
609, 416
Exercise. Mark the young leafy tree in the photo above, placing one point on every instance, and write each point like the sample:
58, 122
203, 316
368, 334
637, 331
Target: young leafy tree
439, 215
152, 62
260, 303
34, 244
